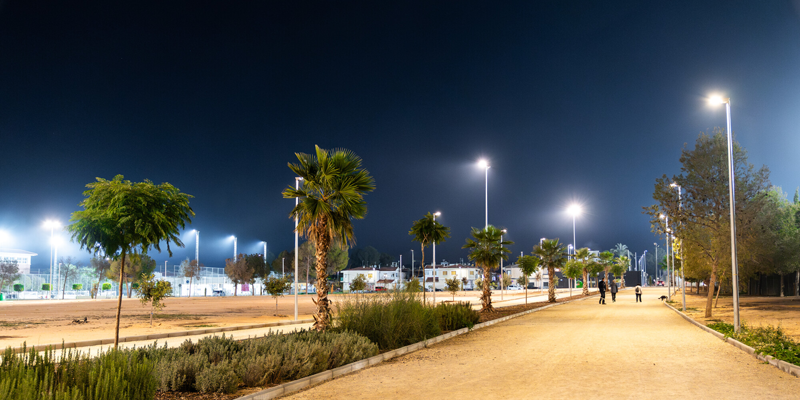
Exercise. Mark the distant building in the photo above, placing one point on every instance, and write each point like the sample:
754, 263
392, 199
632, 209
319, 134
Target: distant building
446, 271
385, 277
22, 257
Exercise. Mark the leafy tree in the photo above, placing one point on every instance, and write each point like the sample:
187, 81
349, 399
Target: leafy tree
606, 261
100, 266
452, 285
332, 195
283, 262
427, 231
528, 265
68, 271
191, 269
306, 258
238, 272
620, 250
276, 287
18, 287
386, 260
119, 216
589, 266
618, 269
486, 250
368, 256
359, 283
153, 292
77, 286
136, 265
9, 272
413, 285
106, 286
506, 280
702, 223
573, 270
553, 256
255, 262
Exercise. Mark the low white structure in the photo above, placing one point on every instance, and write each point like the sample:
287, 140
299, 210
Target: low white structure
448, 271
385, 277
22, 257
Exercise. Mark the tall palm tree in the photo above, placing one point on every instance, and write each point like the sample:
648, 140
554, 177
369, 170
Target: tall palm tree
332, 195
622, 264
553, 255
487, 251
607, 261
620, 250
584, 256
426, 231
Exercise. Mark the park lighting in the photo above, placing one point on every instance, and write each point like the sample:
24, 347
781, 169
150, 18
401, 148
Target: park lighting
265, 251
485, 165
683, 282
656, 270
235, 243
501, 263
716, 100
5, 237
52, 225
574, 210
197, 247
433, 264
669, 275
297, 180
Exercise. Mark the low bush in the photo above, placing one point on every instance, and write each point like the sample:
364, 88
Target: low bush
77, 286
106, 286
19, 287
767, 340
390, 320
453, 316
77, 376
220, 364
45, 286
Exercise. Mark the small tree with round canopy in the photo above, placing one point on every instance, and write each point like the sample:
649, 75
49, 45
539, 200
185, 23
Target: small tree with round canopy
528, 265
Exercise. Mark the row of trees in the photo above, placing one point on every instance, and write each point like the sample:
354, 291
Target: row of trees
767, 223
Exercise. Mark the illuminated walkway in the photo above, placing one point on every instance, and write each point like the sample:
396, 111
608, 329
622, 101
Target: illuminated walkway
622, 350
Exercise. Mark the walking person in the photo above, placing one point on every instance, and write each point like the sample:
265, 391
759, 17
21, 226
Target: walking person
601, 286
614, 289
638, 291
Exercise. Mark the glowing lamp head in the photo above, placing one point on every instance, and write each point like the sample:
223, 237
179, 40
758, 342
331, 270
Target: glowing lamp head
52, 224
574, 210
483, 163
504, 231
716, 100
673, 184
661, 216
436, 214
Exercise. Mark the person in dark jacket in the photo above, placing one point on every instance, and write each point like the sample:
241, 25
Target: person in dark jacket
602, 287
614, 289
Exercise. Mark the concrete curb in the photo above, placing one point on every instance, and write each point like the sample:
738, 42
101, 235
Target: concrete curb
155, 336
294, 386
784, 366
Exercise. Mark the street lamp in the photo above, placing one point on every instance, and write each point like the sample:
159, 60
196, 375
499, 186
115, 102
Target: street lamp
297, 180
235, 244
574, 210
412, 264
683, 275
541, 277
433, 264
485, 165
265, 252
197, 247
669, 274
52, 225
732, 189
656, 266
502, 277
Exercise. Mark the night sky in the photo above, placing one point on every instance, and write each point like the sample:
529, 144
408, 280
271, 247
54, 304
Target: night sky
569, 101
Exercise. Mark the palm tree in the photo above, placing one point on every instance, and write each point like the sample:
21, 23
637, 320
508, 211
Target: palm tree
585, 257
426, 231
607, 261
528, 265
332, 195
487, 251
553, 256
621, 265
620, 250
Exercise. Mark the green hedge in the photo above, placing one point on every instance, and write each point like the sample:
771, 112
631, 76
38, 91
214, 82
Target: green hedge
75, 376
45, 287
767, 340
106, 286
19, 287
77, 286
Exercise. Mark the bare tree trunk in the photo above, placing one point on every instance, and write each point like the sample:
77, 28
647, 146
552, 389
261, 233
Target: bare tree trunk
322, 318
585, 282
151, 315
119, 300
526, 290
486, 295
308, 271
191, 279
797, 283
551, 290
711, 283
781, 285
719, 289
422, 265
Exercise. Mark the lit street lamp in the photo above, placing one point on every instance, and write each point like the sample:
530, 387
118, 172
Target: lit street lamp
683, 275
732, 189
197, 247
52, 225
502, 277
433, 264
485, 165
235, 244
574, 210
669, 251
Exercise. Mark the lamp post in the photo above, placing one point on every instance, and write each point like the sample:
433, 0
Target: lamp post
297, 180
669, 276
541, 282
656, 266
502, 277
412, 263
52, 225
433, 264
235, 244
683, 275
732, 191
485, 165
197, 247
265, 252
574, 210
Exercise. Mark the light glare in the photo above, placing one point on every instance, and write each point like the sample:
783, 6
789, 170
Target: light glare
483, 163
574, 209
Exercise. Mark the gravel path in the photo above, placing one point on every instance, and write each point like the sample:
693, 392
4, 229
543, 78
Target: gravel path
622, 350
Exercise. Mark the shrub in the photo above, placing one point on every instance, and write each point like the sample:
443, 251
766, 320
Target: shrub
455, 316
77, 286
359, 283
413, 285
106, 286
767, 340
218, 378
126, 374
390, 320
18, 287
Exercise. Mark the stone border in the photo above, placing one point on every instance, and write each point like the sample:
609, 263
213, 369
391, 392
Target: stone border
155, 336
302, 383
784, 366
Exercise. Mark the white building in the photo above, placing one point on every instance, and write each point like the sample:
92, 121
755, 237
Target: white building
22, 257
448, 271
385, 277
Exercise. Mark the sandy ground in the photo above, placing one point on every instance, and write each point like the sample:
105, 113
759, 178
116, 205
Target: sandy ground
622, 350
40, 322
755, 311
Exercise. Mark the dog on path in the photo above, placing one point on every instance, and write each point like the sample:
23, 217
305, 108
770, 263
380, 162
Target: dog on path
662, 298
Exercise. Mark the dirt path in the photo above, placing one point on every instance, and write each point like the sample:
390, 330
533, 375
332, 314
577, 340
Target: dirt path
623, 350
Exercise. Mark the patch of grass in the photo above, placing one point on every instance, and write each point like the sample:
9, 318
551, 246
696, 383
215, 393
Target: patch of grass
766, 340
9, 324
201, 326
691, 309
172, 316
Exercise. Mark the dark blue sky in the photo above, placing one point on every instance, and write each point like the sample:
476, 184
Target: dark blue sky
569, 101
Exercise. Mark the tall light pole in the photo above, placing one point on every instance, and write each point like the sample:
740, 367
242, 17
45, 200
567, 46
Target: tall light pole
197, 247
235, 244
501, 263
265, 252
433, 264
400, 275
683, 275
574, 210
541, 276
669, 275
412, 264
732, 191
656, 266
52, 225
297, 180
485, 165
